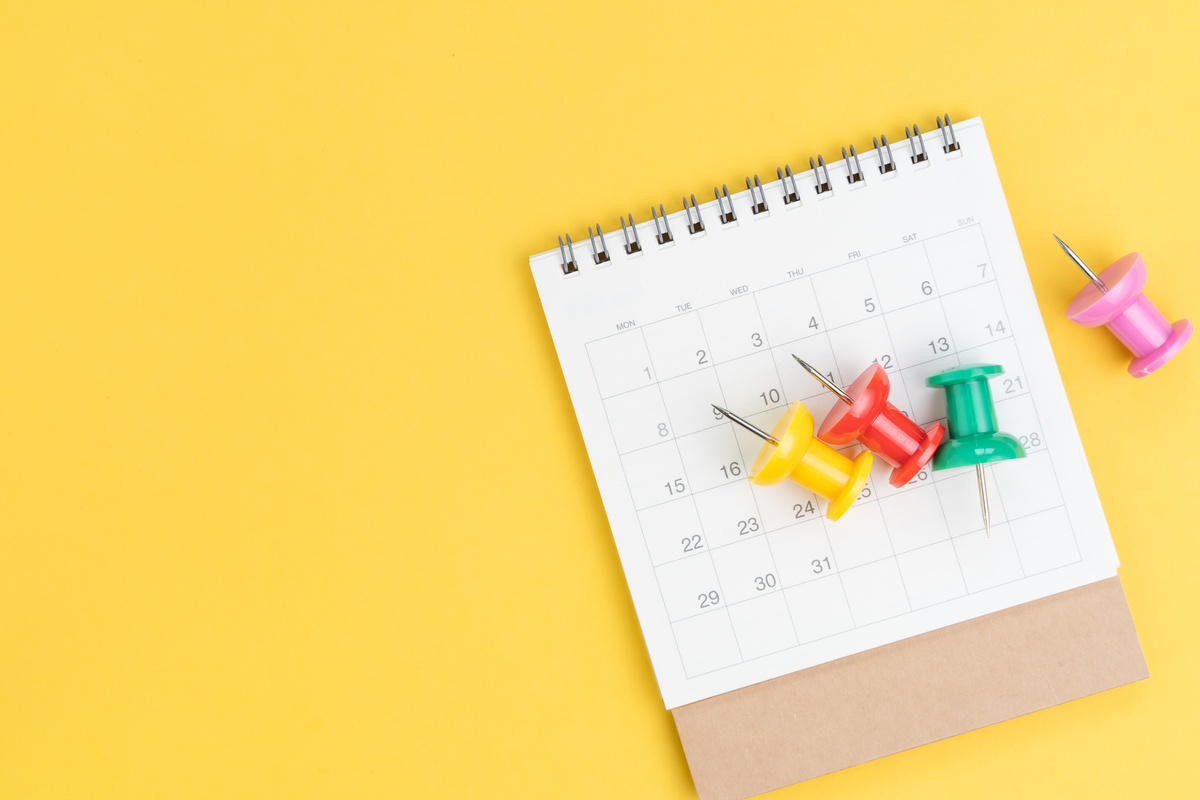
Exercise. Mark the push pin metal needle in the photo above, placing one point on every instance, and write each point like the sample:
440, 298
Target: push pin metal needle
1093, 277
866, 416
981, 479
1119, 305
791, 451
757, 431
975, 437
828, 384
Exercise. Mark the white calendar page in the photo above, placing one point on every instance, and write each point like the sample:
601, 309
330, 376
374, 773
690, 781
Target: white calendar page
919, 270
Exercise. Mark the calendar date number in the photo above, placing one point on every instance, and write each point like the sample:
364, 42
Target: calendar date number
764, 582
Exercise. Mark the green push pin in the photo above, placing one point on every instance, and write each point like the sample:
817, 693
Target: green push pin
974, 436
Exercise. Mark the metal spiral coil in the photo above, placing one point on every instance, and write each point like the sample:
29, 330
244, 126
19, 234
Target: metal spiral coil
726, 217
698, 225
890, 164
663, 233
823, 184
599, 254
949, 140
853, 175
568, 264
631, 245
917, 158
758, 202
790, 191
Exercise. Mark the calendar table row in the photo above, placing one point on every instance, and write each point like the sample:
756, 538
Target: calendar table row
703, 575
760, 601
769, 381
711, 468
908, 333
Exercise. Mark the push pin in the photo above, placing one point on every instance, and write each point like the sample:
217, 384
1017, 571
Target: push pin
971, 416
1114, 299
866, 415
792, 452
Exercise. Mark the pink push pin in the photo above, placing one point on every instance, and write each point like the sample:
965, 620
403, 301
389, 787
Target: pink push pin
1114, 299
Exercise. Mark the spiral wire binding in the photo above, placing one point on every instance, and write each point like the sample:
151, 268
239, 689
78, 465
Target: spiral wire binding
949, 140
568, 264
663, 234
917, 158
726, 217
698, 225
758, 195
852, 175
599, 254
785, 176
885, 166
758, 203
823, 186
634, 246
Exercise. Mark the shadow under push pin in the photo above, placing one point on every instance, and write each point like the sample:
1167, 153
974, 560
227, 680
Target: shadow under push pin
1114, 299
791, 451
975, 438
866, 415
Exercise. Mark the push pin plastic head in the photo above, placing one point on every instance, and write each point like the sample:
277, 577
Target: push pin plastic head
791, 451
866, 416
975, 437
1114, 299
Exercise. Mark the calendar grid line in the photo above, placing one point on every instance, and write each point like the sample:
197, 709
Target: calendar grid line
817, 393
874, 497
873, 315
894, 616
941, 299
876, 254
873, 562
957, 354
837, 571
808, 275
633, 504
792, 342
895, 355
757, 511
804, 273
1036, 415
694, 492
723, 597
766, 346
757, 508
893, 558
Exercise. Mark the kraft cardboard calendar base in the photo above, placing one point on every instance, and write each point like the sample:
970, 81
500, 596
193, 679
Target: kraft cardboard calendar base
911, 692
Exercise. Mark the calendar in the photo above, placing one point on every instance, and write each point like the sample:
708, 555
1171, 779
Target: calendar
903, 256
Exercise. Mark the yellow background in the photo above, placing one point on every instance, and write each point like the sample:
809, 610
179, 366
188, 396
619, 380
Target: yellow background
293, 502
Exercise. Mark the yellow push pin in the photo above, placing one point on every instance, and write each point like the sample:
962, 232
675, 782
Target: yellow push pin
791, 451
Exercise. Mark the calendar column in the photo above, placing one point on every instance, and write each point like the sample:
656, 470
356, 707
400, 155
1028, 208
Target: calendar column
655, 423
742, 554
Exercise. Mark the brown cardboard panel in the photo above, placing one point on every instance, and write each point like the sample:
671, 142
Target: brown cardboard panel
912, 692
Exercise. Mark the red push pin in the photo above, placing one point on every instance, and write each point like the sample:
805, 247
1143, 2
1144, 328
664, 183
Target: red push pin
1114, 299
866, 415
